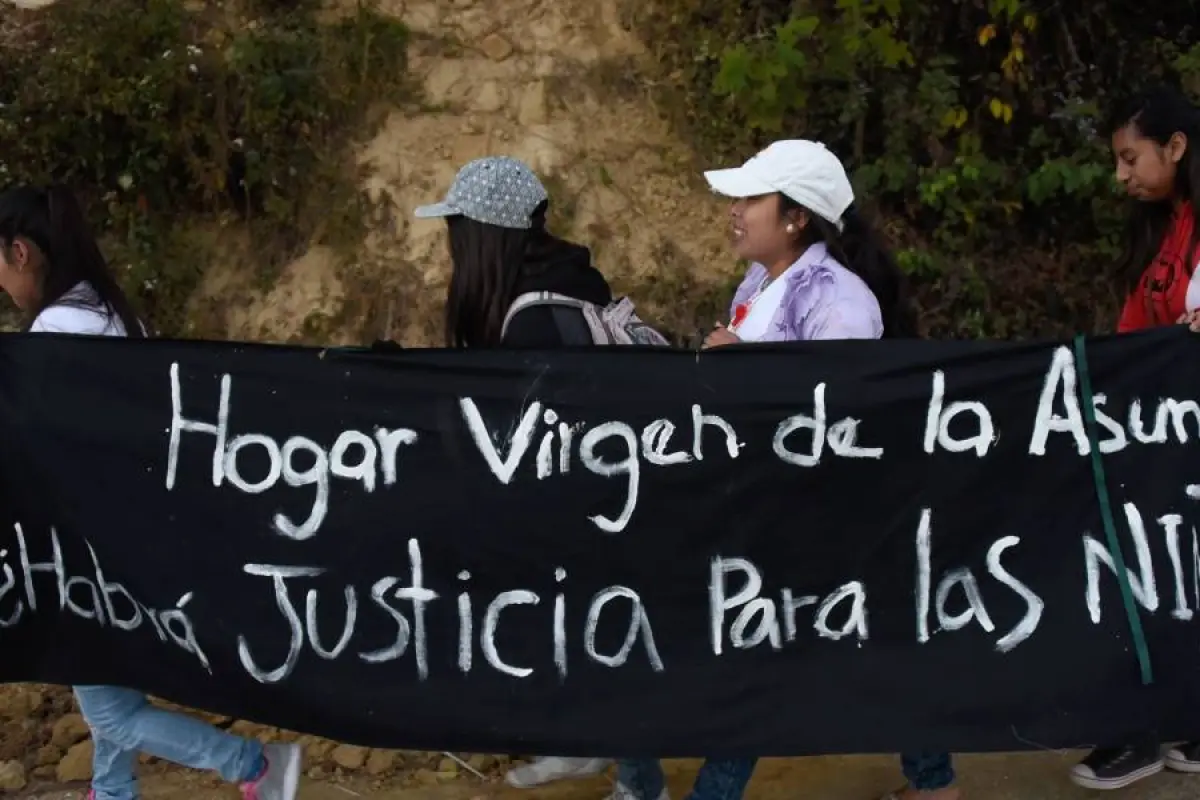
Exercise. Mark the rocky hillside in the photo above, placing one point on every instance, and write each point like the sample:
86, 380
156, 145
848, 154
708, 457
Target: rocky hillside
555, 82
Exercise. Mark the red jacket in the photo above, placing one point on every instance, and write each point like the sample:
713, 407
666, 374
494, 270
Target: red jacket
1170, 285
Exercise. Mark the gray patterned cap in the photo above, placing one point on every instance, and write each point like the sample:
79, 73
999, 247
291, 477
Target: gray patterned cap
497, 190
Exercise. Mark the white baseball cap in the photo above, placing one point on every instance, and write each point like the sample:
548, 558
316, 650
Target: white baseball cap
804, 171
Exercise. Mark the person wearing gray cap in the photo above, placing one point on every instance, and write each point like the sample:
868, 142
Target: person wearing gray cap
495, 214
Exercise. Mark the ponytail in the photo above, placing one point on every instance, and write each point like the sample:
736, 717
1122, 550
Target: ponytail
52, 220
860, 249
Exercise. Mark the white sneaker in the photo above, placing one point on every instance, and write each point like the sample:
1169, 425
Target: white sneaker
620, 792
548, 769
281, 779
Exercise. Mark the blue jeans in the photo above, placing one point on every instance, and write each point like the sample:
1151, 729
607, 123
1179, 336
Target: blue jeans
719, 779
927, 772
124, 723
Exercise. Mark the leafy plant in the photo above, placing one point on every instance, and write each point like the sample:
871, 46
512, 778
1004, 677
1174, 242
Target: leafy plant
975, 128
159, 109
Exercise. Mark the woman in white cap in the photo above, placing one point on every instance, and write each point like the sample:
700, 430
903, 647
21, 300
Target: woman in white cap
495, 214
818, 270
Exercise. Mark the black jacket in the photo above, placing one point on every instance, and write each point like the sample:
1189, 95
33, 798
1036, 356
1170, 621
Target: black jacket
566, 270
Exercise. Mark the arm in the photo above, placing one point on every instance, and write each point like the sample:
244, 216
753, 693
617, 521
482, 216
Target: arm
843, 321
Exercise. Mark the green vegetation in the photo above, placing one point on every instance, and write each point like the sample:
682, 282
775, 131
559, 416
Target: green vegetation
166, 110
974, 127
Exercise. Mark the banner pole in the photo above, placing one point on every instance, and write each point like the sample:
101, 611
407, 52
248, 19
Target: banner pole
1106, 514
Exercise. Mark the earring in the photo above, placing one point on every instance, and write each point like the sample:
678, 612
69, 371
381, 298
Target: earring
791, 228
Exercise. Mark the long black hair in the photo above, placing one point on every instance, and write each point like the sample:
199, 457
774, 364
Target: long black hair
860, 249
1159, 113
489, 262
53, 222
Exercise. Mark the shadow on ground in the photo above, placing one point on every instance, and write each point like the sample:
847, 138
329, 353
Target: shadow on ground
992, 777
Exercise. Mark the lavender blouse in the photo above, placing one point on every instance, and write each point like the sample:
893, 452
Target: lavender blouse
821, 300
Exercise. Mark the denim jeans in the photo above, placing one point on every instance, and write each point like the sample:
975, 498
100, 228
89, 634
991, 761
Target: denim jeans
123, 723
926, 772
719, 779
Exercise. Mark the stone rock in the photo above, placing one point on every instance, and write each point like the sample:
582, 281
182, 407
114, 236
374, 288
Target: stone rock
442, 79
318, 749
469, 147
481, 762
423, 17
489, 99
268, 735
496, 47
546, 34
474, 24
426, 777
76, 765
448, 766
246, 729
12, 776
541, 154
532, 108
48, 754
348, 756
34, 700
44, 773
68, 730
380, 761
18, 702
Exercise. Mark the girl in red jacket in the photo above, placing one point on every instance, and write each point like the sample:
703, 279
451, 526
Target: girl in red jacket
1155, 141
1153, 149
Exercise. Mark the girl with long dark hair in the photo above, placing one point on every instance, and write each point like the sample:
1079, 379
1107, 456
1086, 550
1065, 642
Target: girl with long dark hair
52, 268
495, 214
1155, 135
500, 249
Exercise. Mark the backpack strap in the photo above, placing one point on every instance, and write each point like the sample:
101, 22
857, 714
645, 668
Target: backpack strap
572, 326
568, 313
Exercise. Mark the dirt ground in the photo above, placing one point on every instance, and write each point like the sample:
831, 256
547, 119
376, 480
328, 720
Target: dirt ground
41, 732
996, 777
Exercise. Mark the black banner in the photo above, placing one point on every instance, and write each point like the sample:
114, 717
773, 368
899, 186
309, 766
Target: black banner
767, 550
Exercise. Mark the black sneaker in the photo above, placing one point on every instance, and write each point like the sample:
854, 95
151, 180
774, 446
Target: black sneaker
1116, 767
1184, 757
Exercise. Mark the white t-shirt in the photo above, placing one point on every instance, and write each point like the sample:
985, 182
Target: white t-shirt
763, 306
80, 312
